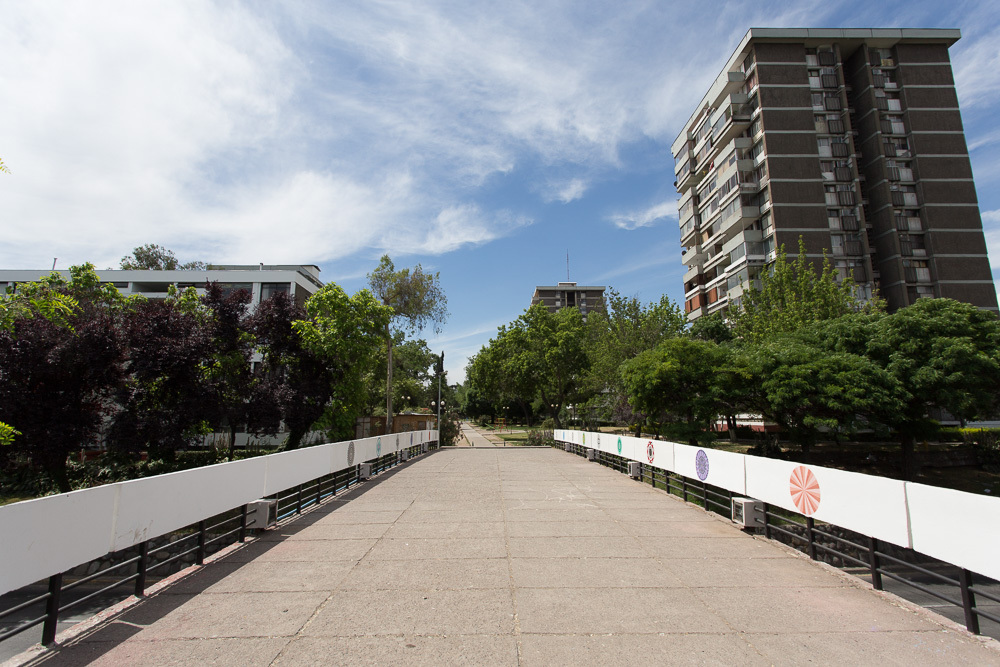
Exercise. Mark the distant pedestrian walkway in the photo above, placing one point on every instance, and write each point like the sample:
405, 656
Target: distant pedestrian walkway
516, 556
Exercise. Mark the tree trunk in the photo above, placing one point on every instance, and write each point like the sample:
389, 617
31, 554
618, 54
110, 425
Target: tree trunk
295, 434
910, 470
55, 466
388, 384
232, 439
731, 427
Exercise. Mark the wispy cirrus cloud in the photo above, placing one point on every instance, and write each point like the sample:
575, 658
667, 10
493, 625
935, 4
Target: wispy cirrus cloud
645, 217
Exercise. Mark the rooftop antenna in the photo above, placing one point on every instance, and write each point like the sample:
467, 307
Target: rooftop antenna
567, 265
54, 260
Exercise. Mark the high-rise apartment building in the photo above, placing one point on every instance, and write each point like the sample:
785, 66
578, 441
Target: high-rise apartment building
848, 138
569, 295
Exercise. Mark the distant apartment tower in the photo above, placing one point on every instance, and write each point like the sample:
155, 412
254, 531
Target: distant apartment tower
569, 295
848, 138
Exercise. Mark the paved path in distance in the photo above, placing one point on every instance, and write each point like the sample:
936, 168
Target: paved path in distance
516, 556
471, 437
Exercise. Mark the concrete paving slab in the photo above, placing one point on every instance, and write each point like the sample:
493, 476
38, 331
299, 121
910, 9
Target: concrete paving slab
809, 610
473, 557
444, 530
416, 650
613, 610
565, 529
592, 573
424, 548
720, 547
251, 652
751, 573
432, 612
902, 649
576, 547
431, 574
304, 550
625, 649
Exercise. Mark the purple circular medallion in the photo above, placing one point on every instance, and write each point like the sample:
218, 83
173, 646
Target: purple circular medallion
701, 464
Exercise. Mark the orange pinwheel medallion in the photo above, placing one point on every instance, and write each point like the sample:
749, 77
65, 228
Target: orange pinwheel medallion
804, 488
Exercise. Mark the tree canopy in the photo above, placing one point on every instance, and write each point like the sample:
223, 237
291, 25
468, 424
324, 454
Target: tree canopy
416, 299
152, 256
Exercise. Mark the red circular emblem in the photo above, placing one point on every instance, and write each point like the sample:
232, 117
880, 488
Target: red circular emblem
804, 488
650, 451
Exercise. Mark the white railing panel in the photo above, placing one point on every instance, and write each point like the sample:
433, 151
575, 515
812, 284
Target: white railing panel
712, 466
874, 506
957, 527
48, 535
153, 506
288, 469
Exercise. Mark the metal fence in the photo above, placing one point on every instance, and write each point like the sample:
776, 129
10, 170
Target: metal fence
858, 554
135, 566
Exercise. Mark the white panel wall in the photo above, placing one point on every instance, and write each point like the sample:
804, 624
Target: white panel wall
153, 506
954, 526
874, 506
957, 527
49, 535
724, 469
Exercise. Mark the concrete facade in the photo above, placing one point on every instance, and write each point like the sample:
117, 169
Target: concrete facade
569, 295
262, 280
849, 139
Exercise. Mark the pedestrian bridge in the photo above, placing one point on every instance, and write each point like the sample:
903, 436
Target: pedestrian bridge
515, 556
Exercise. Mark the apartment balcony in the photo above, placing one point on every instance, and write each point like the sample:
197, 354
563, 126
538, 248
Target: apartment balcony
718, 259
741, 215
731, 119
687, 176
693, 255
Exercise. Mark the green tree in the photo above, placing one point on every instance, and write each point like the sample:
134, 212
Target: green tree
60, 365
621, 332
152, 256
7, 434
792, 295
676, 382
808, 389
346, 332
943, 354
556, 346
416, 299
3, 167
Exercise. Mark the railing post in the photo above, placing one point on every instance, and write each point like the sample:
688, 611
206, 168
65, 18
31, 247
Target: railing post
140, 579
298, 500
812, 541
767, 524
200, 554
874, 563
684, 487
52, 609
968, 601
319, 490
243, 524
704, 495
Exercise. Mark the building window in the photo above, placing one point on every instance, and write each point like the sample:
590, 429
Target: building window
267, 290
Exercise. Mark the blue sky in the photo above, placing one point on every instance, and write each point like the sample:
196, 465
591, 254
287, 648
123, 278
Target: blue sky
482, 140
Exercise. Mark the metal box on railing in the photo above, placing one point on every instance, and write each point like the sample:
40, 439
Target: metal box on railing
748, 513
566, 446
591, 454
634, 469
423, 448
262, 514
404, 455
365, 471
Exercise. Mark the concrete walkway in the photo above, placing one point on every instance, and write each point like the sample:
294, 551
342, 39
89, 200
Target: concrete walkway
516, 557
472, 437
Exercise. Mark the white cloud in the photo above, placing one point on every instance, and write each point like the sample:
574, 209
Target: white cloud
645, 217
566, 191
991, 228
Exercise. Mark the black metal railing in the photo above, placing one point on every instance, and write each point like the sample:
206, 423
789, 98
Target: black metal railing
853, 552
197, 540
